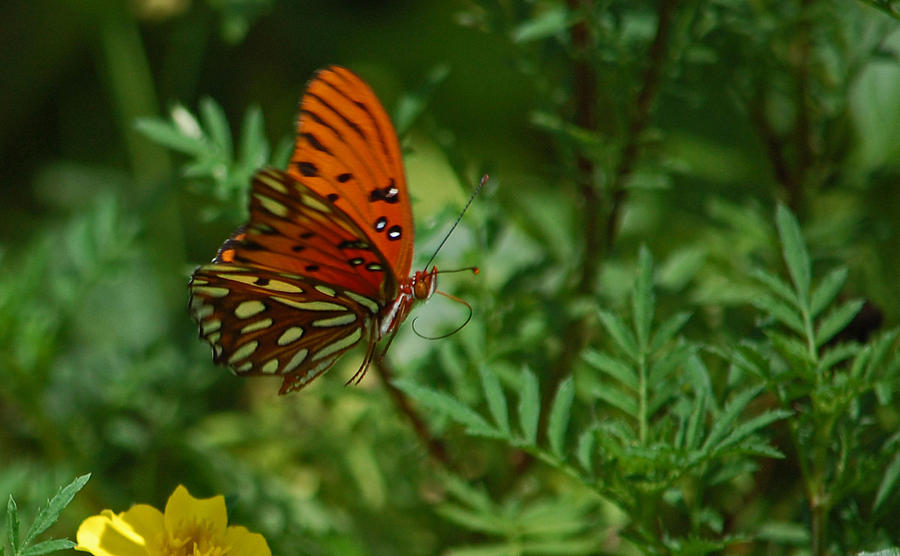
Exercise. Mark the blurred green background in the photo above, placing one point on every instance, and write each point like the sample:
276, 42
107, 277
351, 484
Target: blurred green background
101, 370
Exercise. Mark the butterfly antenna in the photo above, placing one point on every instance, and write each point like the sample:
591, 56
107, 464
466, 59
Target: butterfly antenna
452, 332
483, 181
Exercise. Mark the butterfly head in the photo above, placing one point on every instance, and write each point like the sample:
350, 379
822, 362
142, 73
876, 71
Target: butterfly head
424, 283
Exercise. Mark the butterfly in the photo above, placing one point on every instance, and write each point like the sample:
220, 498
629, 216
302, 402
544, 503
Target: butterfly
323, 264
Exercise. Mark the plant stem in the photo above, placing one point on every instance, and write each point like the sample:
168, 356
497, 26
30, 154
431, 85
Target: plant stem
434, 446
643, 107
577, 333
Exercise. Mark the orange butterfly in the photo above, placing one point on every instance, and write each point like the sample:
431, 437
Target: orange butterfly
324, 262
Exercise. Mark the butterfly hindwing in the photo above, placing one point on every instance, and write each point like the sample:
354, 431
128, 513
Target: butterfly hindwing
263, 322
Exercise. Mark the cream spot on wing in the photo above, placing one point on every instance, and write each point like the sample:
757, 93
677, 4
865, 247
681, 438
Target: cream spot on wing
270, 367
335, 321
221, 267
309, 305
242, 278
212, 291
325, 290
248, 309
258, 325
209, 326
290, 336
279, 286
369, 304
271, 205
339, 345
296, 360
314, 204
202, 311
243, 352
271, 182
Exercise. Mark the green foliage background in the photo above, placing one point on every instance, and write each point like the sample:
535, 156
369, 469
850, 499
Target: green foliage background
685, 330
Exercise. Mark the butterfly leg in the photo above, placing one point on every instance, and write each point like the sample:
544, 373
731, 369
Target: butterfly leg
367, 360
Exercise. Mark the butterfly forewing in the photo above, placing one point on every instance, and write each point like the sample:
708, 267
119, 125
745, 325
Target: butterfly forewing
347, 151
293, 229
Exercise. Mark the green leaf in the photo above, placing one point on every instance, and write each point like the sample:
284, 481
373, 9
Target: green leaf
871, 356
620, 333
745, 429
662, 368
642, 299
12, 524
780, 312
443, 403
474, 521
795, 351
254, 148
618, 399
832, 356
281, 156
667, 330
529, 406
48, 546
613, 367
888, 482
49, 513
585, 449
548, 23
169, 136
217, 126
837, 320
466, 493
776, 285
722, 423
694, 428
559, 416
794, 251
827, 290
496, 400
747, 356
412, 105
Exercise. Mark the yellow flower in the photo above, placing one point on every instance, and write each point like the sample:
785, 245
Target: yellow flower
190, 527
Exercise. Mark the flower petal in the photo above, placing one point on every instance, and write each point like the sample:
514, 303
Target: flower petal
146, 521
184, 508
107, 535
241, 541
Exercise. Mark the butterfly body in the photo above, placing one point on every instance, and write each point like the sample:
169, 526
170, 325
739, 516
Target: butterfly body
324, 262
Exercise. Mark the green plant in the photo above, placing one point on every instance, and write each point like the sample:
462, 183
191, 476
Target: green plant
46, 516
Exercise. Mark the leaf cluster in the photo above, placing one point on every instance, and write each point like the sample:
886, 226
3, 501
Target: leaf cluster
47, 515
